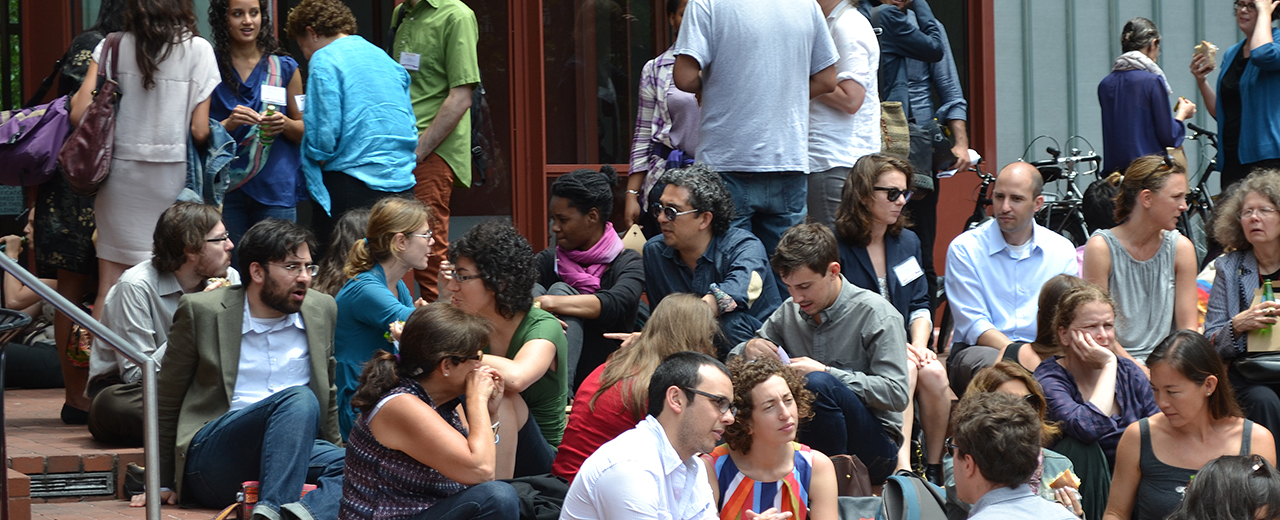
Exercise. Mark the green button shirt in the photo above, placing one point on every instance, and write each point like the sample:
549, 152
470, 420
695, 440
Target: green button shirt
444, 34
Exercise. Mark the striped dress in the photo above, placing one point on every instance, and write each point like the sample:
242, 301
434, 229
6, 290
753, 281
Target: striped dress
738, 492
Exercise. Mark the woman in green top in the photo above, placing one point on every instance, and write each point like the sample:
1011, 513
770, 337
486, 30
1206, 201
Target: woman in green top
490, 273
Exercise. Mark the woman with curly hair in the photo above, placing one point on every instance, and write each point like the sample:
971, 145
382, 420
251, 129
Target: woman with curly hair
1136, 260
588, 279
1247, 224
613, 398
397, 240
874, 244
761, 462
490, 273
360, 128
256, 102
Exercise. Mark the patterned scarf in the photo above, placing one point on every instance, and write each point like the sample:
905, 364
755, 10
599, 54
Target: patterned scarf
582, 269
1136, 60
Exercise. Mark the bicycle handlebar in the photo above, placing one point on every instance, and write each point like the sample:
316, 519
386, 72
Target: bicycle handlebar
1075, 157
1199, 131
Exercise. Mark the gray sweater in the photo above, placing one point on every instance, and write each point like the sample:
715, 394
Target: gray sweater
861, 340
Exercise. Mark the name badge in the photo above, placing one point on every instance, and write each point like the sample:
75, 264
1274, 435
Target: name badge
301, 101
410, 60
272, 95
908, 271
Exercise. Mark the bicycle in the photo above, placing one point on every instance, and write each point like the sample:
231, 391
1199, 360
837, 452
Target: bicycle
1063, 212
1193, 222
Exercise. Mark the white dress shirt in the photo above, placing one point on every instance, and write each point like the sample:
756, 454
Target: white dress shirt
640, 475
274, 356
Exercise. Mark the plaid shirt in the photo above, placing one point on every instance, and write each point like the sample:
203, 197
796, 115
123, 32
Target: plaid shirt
652, 125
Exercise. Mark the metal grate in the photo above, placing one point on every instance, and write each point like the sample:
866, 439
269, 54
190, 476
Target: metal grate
73, 484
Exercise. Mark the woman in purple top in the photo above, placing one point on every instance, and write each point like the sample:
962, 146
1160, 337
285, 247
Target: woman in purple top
410, 456
1093, 393
1136, 119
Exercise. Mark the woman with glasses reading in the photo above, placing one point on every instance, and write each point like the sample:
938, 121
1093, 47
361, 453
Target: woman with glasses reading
411, 455
1247, 101
761, 468
1247, 224
490, 273
1199, 421
878, 254
1136, 260
397, 240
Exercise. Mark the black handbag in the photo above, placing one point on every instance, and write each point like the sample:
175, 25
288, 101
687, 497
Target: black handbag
1257, 367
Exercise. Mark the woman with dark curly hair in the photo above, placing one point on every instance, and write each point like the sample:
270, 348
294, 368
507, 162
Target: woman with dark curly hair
761, 462
588, 279
360, 128
256, 102
1246, 223
875, 250
490, 273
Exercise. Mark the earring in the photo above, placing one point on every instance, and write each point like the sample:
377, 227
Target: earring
446, 374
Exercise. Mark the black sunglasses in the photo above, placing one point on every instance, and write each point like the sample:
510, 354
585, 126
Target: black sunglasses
669, 212
949, 444
479, 355
894, 193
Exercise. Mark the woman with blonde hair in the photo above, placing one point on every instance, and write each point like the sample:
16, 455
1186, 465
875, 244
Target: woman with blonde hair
397, 240
870, 226
613, 398
1136, 260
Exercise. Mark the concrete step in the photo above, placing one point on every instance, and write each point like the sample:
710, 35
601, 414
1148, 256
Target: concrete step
110, 510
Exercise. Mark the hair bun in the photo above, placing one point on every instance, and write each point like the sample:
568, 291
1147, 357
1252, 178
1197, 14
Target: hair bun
610, 174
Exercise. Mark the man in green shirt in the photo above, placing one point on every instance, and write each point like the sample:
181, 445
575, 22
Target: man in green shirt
435, 41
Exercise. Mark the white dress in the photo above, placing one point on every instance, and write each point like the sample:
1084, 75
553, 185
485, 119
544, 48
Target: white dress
149, 165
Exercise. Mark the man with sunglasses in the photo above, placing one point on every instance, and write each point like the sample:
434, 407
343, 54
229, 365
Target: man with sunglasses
191, 253
996, 450
699, 253
653, 470
995, 271
246, 389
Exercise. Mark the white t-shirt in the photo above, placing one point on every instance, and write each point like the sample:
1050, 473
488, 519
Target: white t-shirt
756, 58
837, 138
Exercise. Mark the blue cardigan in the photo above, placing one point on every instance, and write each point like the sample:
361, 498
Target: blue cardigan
856, 265
1259, 90
1137, 118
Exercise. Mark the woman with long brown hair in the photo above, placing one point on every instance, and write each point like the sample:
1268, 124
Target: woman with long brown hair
613, 398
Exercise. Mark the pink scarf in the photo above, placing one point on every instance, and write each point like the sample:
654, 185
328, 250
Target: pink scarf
582, 269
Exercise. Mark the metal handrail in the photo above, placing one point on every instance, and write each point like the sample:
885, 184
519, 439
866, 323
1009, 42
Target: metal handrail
151, 422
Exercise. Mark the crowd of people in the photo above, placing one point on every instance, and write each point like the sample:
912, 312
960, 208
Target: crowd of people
779, 317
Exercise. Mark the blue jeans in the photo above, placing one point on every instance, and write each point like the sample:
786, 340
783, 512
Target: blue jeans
534, 454
842, 424
766, 204
274, 442
491, 500
240, 212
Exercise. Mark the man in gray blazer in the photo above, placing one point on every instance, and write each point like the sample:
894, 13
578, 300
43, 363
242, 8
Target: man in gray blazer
246, 388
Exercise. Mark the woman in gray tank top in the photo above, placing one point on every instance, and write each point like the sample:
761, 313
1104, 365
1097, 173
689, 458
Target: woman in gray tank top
1199, 421
1148, 268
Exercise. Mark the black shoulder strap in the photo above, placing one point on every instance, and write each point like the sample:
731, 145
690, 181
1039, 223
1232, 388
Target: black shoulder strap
403, 11
45, 85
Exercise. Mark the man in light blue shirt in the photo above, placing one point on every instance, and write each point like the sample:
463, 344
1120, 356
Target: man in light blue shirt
994, 274
996, 449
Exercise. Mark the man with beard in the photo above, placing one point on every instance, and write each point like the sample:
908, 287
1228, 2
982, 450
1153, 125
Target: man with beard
191, 253
246, 390
652, 470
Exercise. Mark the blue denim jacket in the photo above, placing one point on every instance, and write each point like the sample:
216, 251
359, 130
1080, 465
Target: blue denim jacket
207, 179
902, 41
735, 261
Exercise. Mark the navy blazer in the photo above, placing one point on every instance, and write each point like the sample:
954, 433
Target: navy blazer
856, 265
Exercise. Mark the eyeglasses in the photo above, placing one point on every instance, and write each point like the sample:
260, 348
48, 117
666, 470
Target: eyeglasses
894, 193
225, 237
479, 355
297, 269
1169, 164
950, 446
1245, 6
1035, 401
426, 235
1263, 212
451, 273
723, 403
669, 212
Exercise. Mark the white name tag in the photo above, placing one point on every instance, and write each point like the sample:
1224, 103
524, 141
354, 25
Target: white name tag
272, 95
410, 60
908, 271
301, 101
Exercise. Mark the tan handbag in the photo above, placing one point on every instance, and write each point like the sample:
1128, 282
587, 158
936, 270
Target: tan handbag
895, 136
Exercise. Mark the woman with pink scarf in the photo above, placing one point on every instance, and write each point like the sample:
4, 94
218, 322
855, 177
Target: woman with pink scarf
588, 279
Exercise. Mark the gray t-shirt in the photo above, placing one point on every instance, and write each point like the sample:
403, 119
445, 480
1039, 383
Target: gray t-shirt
1143, 292
756, 58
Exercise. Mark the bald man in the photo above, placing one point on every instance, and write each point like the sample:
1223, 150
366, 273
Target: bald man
994, 274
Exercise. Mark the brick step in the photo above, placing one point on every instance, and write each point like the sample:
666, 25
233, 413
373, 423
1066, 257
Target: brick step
19, 495
110, 509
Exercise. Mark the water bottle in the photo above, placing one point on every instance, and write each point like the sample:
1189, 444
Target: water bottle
262, 136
